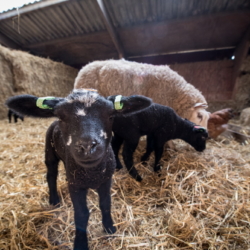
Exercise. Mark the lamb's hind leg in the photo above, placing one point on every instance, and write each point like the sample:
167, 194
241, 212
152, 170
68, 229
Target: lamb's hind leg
128, 150
105, 205
149, 148
158, 148
51, 161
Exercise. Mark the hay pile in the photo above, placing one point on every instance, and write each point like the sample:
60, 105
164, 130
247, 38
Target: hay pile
201, 200
22, 73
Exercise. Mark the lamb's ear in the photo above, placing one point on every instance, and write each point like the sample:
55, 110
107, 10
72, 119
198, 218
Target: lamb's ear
29, 105
130, 104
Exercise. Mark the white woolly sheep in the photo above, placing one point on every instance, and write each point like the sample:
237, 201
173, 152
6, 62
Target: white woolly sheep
160, 83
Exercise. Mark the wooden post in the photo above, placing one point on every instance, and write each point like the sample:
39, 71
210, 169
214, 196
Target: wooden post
110, 28
240, 54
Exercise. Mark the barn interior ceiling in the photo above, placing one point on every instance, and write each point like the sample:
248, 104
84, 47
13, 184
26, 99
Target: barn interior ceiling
79, 31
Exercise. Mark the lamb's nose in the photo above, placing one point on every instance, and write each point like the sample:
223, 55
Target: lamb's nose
86, 146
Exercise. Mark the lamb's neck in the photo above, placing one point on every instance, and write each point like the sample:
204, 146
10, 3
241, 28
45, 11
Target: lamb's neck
182, 130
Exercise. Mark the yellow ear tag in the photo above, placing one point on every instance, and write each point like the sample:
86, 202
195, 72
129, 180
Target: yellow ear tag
118, 104
40, 100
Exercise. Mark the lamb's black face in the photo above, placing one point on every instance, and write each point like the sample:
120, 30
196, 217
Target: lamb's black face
86, 124
200, 136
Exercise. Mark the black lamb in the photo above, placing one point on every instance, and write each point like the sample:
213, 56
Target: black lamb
160, 124
81, 139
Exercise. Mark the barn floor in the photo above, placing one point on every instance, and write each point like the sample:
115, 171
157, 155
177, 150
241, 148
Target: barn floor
200, 201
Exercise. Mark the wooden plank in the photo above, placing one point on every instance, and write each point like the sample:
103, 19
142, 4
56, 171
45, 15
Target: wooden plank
212, 78
111, 30
240, 54
78, 50
186, 57
193, 33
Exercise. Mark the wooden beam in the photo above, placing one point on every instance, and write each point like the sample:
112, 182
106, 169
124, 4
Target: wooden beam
96, 46
186, 34
4, 40
240, 54
111, 30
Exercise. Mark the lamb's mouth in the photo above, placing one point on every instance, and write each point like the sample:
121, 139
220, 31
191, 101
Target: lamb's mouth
90, 163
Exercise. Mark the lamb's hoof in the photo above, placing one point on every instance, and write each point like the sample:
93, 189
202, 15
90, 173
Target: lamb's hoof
110, 230
118, 167
55, 202
144, 158
138, 178
144, 163
157, 169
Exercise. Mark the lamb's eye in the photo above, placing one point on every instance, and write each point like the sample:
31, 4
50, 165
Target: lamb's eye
111, 117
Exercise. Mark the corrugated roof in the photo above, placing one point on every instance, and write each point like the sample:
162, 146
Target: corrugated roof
54, 22
130, 12
48, 27
10, 5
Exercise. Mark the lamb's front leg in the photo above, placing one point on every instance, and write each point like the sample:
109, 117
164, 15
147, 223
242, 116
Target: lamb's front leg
116, 145
78, 197
158, 148
105, 205
128, 151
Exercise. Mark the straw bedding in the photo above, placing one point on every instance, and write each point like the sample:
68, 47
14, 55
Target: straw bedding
200, 201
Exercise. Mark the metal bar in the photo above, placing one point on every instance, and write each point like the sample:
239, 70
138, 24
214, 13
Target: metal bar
110, 28
182, 52
57, 40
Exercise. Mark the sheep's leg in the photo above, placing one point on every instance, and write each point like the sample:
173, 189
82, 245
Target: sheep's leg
149, 149
105, 205
15, 118
158, 155
9, 116
51, 162
78, 197
128, 150
116, 145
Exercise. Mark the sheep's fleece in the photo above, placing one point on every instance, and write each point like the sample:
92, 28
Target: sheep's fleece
163, 85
